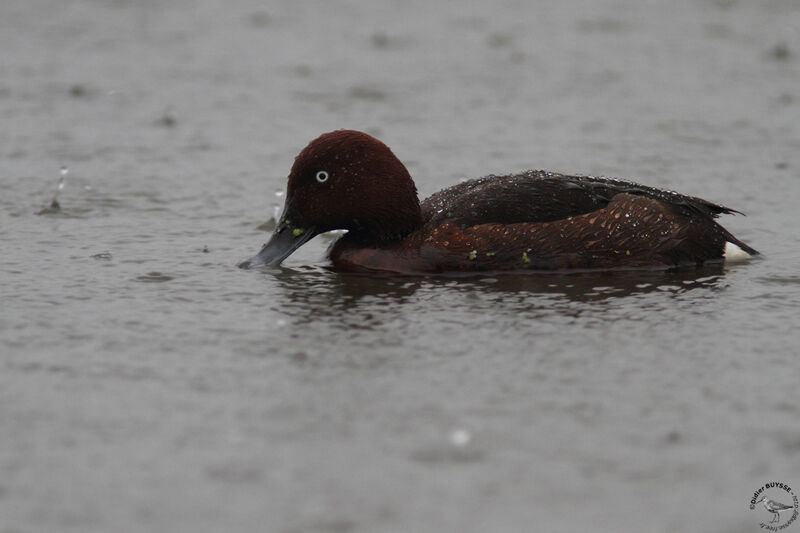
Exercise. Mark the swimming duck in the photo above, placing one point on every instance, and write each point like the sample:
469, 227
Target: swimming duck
535, 220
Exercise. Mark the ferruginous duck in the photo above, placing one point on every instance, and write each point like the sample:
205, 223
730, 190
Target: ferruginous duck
535, 220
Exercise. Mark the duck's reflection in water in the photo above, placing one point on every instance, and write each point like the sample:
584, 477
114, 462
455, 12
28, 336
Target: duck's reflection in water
364, 301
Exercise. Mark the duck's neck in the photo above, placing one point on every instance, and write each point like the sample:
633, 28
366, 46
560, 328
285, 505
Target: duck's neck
389, 225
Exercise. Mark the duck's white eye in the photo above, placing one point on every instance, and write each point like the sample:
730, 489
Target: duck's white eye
322, 176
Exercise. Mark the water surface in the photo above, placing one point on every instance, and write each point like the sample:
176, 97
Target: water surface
147, 384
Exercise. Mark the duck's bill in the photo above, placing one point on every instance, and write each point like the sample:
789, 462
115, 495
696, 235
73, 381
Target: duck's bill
291, 233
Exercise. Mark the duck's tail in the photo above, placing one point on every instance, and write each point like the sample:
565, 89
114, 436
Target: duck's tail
736, 251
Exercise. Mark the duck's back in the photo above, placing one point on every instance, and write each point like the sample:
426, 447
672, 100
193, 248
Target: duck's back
541, 220
538, 196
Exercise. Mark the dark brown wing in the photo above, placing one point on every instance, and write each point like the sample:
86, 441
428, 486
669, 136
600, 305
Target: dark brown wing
537, 196
630, 232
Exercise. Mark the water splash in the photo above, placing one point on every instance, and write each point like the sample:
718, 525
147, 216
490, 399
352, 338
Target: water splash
272, 223
278, 207
63, 175
54, 206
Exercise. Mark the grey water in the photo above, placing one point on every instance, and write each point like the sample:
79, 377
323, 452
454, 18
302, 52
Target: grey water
147, 384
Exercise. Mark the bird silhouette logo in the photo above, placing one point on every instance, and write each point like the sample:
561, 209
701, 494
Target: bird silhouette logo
772, 496
776, 508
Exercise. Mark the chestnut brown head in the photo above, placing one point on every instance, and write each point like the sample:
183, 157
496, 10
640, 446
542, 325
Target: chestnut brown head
348, 180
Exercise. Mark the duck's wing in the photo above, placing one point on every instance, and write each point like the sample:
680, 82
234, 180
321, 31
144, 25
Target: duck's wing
537, 196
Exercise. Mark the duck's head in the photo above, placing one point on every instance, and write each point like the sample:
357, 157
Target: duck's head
343, 180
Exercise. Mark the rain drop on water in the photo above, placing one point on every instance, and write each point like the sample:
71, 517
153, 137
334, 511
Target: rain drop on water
54, 204
460, 437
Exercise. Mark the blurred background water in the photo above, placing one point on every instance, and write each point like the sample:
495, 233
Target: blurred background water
147, 384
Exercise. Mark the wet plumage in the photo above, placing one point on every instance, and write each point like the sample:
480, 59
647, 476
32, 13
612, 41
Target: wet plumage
529, 221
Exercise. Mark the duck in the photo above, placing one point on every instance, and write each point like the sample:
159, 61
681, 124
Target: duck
529, 221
